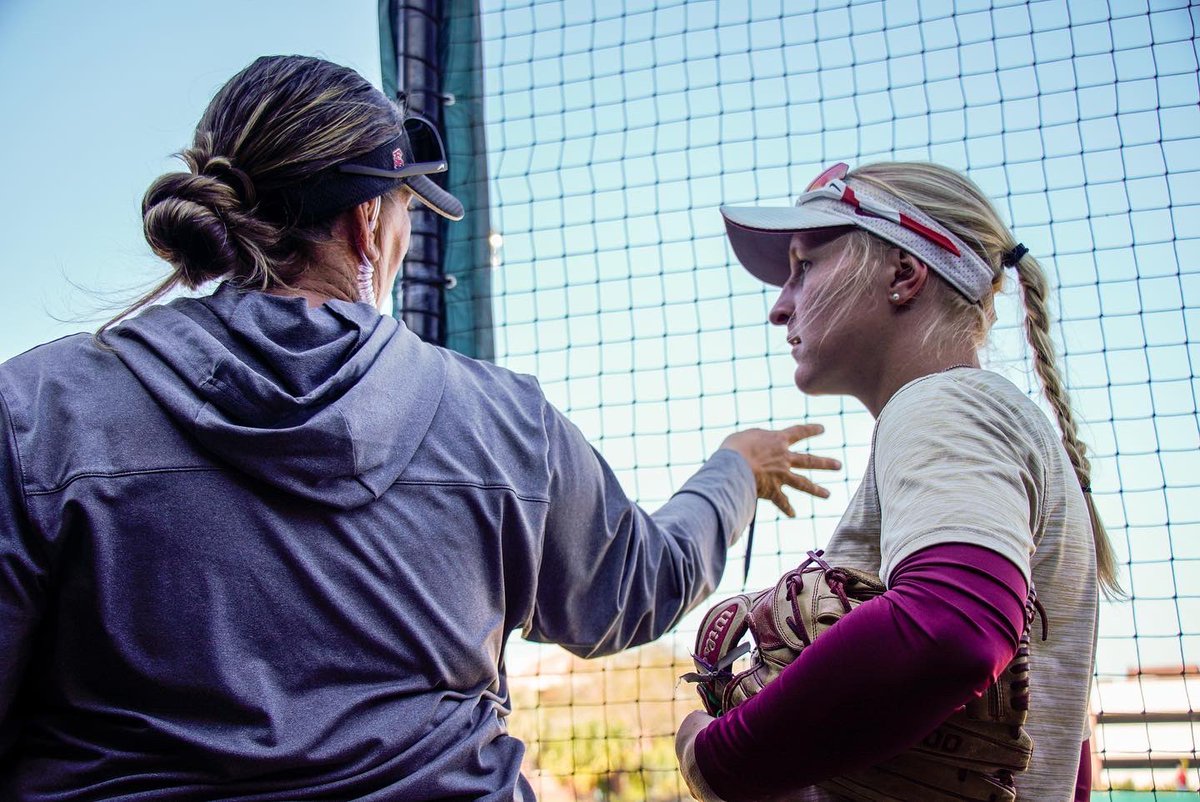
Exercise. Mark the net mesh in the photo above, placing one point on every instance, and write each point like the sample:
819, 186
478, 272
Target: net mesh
615, 130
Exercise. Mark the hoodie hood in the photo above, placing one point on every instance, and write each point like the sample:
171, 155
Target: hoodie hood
328, 404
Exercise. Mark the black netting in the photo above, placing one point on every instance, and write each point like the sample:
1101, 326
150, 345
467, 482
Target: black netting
615, 130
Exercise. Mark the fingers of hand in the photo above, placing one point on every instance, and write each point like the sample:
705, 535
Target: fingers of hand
805, 485
781, 501
801, 430
690, 727
813, 462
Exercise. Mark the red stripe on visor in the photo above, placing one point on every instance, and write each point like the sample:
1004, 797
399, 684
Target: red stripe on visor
880, 210
929, 233
834, 173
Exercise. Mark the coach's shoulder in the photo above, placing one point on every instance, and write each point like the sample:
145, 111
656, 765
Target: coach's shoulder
476, 380
60, 354
45, 371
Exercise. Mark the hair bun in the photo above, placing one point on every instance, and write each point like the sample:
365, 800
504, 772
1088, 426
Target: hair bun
191, 219
185, 219
222, 168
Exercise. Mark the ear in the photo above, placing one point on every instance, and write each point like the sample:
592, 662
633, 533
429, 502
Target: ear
364, 225
908, 275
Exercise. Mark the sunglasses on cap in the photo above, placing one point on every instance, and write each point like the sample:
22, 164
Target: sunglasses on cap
417, 151
830, 184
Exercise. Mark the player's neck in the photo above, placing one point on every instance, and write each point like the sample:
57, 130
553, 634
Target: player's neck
907, 365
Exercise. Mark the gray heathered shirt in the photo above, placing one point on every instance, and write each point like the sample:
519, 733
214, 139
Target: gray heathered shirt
258, 551
965, 457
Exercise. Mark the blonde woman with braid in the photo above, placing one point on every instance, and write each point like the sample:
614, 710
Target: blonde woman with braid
972, 498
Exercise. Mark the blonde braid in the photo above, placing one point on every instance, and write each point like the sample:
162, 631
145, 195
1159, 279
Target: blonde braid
1034, 290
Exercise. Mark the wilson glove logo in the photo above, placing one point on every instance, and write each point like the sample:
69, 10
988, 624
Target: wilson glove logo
717, 631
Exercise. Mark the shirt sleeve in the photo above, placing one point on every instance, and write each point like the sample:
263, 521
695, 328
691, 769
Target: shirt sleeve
902, 662
1083, 779
22, 585
955, 464
611, 575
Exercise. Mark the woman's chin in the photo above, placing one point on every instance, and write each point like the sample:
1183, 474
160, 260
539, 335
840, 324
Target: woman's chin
810, 380
806, 380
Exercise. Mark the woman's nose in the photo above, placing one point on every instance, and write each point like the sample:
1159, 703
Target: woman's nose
781, 312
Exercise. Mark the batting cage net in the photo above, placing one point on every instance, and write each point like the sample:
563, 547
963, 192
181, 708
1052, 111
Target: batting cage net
613, 133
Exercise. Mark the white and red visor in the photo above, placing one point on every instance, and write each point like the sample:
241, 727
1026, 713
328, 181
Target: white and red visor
761, 235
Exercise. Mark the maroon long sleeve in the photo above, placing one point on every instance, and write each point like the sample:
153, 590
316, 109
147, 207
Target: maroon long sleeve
1083, 782
878, 681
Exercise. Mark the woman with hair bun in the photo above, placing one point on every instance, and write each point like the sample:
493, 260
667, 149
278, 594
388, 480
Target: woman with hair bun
265, 543
972, 499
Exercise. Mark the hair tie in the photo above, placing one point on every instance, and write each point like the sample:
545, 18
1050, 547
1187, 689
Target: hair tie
1086, 488
1012, 257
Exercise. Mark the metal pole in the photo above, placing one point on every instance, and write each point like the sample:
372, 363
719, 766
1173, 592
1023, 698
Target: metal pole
470, 245
419, 296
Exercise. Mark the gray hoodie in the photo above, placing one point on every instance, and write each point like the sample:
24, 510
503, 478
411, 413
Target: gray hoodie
261, 551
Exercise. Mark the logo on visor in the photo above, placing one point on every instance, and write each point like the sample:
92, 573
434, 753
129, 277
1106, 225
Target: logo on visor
397, 159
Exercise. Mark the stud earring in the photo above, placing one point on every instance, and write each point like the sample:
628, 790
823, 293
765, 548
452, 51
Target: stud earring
895, 297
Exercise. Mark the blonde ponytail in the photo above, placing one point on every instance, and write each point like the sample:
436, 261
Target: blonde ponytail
1034, 290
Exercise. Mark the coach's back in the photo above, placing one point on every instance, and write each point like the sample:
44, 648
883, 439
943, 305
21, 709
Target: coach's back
258, 550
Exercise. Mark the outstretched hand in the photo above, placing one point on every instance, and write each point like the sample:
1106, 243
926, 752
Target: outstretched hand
774, 464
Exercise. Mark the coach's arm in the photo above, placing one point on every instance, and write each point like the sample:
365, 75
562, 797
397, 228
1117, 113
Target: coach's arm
611, 575
22, 587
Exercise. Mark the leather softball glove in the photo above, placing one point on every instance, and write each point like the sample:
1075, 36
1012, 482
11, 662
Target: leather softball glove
973, 755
